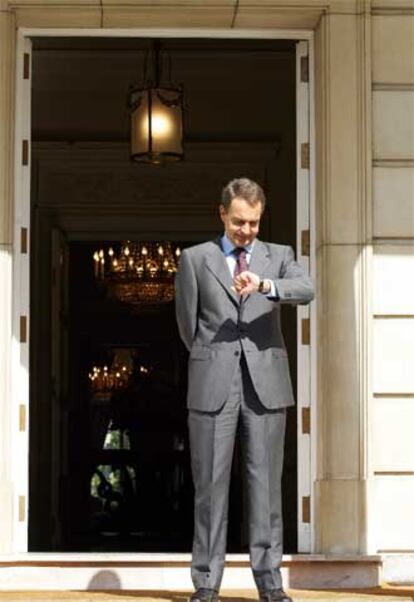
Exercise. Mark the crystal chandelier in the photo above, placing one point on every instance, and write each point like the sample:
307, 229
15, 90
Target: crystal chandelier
105, 380
141, 273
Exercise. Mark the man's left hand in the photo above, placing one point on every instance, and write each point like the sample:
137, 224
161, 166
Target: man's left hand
246, 283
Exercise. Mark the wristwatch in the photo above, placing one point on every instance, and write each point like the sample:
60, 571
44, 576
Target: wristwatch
262, 285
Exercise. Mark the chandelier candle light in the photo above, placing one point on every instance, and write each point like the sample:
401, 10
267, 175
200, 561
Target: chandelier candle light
141, 273
104, 379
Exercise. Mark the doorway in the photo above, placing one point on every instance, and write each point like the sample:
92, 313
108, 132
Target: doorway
239, 122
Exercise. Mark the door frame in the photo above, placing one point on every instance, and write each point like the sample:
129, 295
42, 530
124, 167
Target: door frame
307, 446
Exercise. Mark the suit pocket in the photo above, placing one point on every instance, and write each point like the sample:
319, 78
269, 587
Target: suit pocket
200, 353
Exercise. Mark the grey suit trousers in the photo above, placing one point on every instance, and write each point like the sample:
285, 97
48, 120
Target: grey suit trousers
212, 438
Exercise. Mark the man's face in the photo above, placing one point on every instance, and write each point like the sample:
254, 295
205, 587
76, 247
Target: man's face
241, 221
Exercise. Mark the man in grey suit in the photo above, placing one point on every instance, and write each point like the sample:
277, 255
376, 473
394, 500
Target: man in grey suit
228, 297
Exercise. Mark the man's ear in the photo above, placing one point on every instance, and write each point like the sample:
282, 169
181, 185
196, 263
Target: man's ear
223, 212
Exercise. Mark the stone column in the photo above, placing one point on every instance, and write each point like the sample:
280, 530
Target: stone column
342, 121
7, 44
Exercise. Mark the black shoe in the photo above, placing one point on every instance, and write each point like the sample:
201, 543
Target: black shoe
274, 595
203, 594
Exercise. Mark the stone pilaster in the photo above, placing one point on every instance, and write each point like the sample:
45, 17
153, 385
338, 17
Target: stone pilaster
342, 235
7, 38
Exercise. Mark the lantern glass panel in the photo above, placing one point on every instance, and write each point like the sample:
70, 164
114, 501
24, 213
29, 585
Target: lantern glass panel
166, 121
139, 126
156, 125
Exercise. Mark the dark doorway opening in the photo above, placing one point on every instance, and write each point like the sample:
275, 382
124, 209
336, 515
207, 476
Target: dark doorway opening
114, 474
128, 483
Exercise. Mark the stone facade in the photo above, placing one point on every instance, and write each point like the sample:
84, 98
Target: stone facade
392, 402
364, 158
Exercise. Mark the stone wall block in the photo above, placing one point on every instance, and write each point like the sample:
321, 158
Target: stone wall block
393, 49
82, 17
166, 16
393, 285
393, 442
335, 6
393, 355
392, 508
273, 17
393, 124
393, 202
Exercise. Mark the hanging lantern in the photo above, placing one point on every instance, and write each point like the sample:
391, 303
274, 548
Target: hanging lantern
156, 117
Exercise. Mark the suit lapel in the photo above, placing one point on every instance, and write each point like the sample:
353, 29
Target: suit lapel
259, 261
217, 264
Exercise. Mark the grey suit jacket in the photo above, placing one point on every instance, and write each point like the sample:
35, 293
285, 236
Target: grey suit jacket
216, 327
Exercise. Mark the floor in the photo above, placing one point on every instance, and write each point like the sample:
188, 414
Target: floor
383, 594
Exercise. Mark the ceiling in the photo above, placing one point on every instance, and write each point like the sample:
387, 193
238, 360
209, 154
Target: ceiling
235, 90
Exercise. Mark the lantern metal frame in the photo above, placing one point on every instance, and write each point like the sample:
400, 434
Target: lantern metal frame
169, 95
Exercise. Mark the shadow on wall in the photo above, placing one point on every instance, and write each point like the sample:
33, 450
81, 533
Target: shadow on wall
111, 583
104, 580
171, 596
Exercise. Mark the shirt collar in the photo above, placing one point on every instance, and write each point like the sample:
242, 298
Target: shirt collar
228, 247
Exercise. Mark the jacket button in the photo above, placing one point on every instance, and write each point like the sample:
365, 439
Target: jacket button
236, 353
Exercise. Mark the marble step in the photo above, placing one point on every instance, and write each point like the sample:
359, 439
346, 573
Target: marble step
171, 572
168, 572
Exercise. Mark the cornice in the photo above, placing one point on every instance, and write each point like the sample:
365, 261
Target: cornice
225, 14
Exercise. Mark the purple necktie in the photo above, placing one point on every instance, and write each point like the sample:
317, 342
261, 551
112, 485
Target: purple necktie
241, 261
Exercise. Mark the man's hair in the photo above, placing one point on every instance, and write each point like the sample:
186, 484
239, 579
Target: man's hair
245, 189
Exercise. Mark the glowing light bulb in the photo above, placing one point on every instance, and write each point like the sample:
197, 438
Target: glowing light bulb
161, 125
